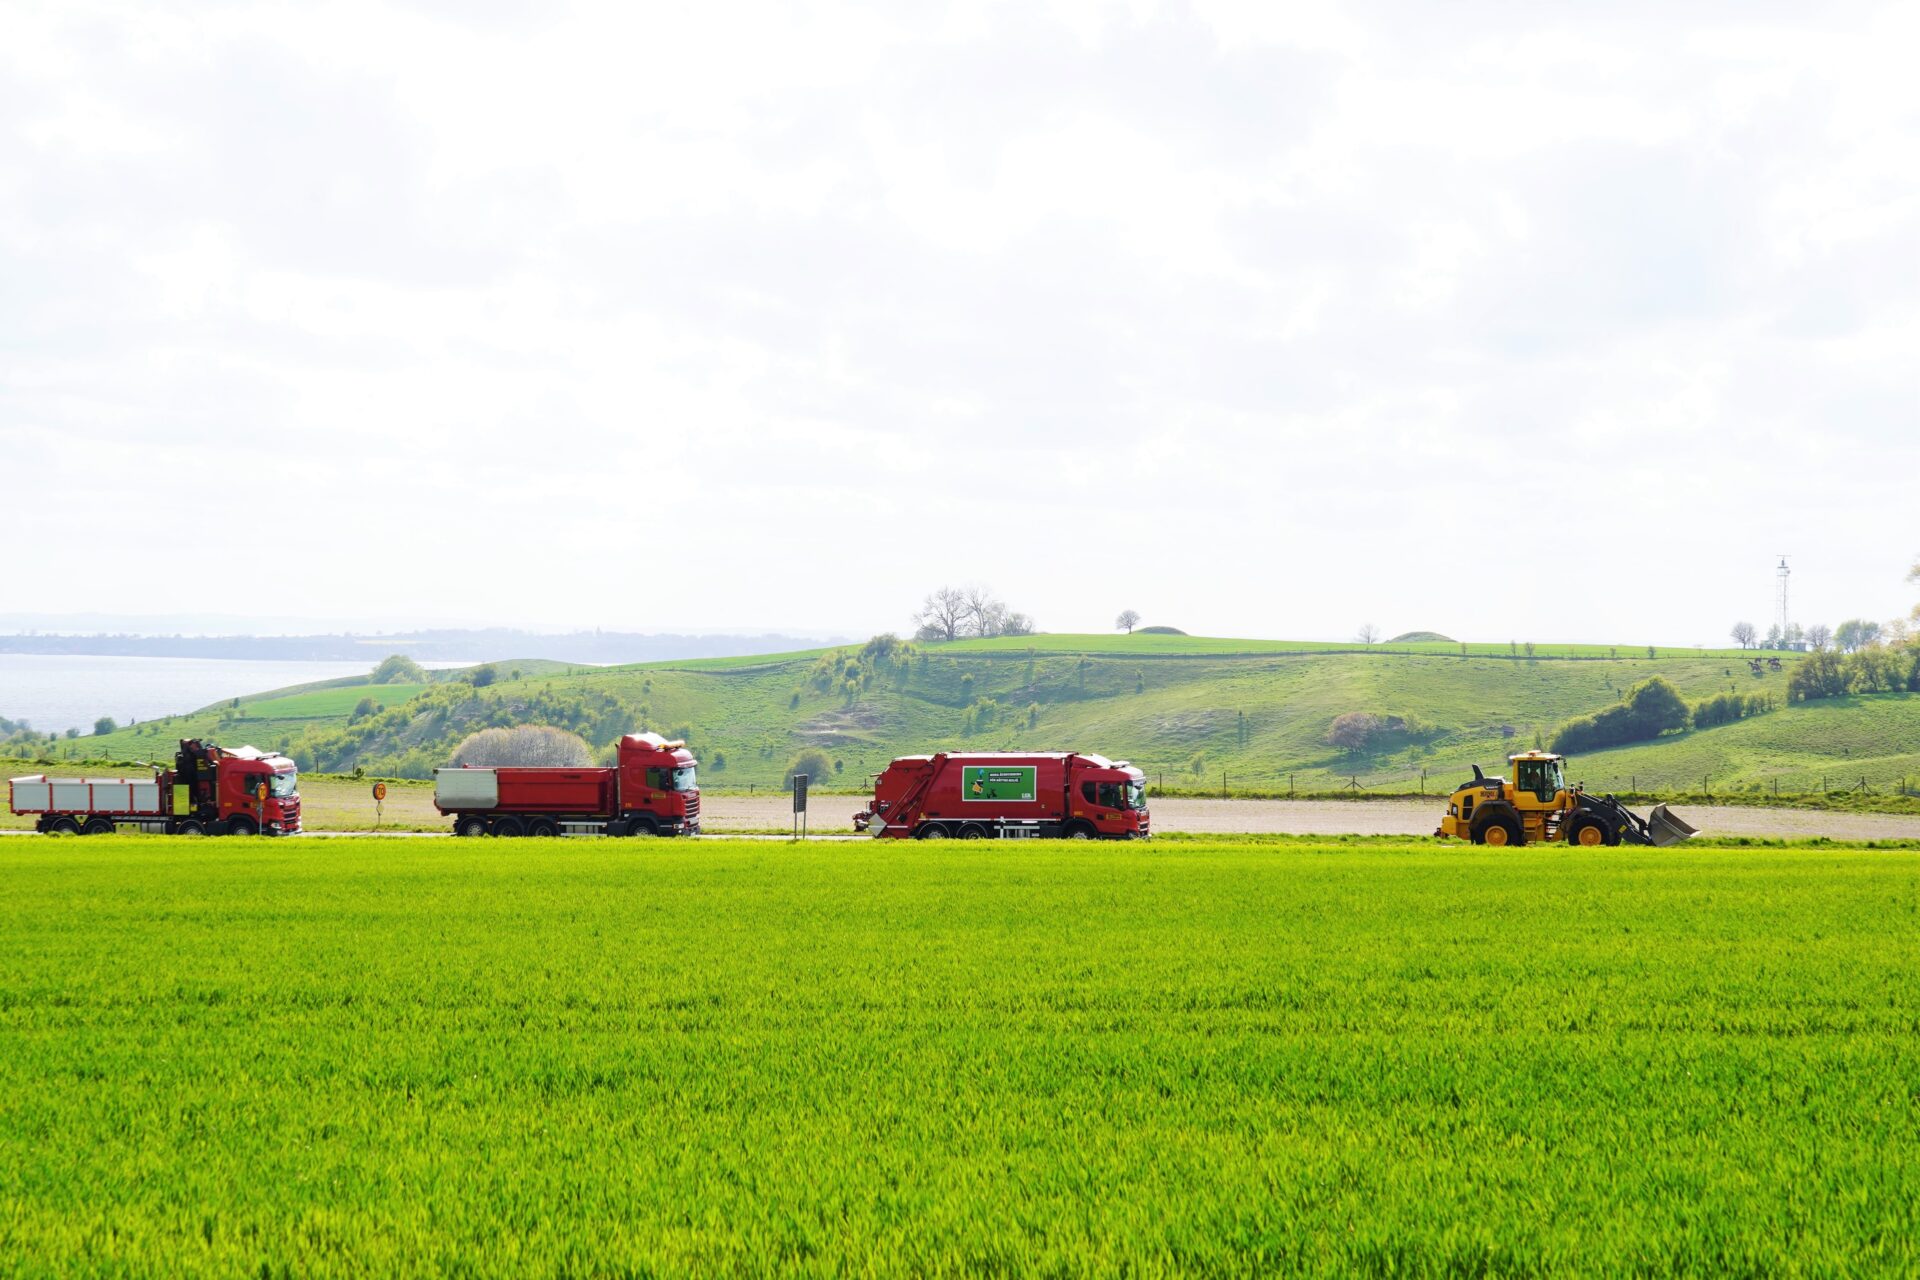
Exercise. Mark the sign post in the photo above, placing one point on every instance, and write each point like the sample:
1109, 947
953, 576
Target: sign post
260, 807
379, 802
799, 805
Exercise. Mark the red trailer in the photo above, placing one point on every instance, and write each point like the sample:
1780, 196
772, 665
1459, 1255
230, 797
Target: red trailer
649, 792
1006, 795
209, 791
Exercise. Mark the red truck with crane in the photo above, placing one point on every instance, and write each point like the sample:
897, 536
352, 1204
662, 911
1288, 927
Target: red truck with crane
210, 790
649, 791
1003, 796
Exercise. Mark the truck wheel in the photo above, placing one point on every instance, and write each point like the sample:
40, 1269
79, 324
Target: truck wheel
190, 827
63, 827
540, 827
1079, 831
242, 827
642, 827
932, 831
973, 831
1498, 832
508, 827
470, 827
97, 827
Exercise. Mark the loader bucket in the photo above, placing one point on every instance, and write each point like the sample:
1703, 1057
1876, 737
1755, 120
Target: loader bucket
1667, 827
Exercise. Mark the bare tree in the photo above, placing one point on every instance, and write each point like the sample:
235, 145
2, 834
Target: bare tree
1369, 633
954, 613
1819, 636
1127, 621
986, 614
943, 615
1744, 634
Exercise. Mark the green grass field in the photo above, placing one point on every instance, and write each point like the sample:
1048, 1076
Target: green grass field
355, 1058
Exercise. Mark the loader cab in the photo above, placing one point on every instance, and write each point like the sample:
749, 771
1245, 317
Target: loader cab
1539, 775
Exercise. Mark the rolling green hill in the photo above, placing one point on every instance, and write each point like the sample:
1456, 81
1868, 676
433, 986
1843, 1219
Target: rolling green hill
1196, 712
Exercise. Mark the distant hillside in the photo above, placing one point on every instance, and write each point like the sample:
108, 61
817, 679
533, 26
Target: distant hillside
1187, 708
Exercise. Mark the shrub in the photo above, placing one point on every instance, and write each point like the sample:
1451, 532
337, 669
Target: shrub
103, 725
527, 744
1725, 708
813, 762
397, 668
1652, 707
483, 675
1821, 674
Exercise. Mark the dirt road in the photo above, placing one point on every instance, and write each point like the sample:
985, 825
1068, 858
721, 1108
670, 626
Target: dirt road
830, 815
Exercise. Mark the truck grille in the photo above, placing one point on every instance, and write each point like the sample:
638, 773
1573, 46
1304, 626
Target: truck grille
693, 806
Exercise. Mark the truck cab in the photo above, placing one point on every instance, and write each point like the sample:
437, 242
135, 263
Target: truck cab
238, 791
659, 785
1111, 796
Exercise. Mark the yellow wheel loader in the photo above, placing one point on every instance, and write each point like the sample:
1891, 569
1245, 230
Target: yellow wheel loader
1538, 806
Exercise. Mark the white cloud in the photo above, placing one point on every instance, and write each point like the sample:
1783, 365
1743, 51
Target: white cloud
1257, 318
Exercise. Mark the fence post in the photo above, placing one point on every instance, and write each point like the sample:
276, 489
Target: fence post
1705, 789
1289, 786
1223, 784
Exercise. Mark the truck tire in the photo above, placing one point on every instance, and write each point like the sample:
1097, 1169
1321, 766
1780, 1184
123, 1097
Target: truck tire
541, 828
1499, 831
63, 827
242, 826
470, 826
931, 831
190, 827
973, 831
1078, 831
97, 827
507, 827
642, 827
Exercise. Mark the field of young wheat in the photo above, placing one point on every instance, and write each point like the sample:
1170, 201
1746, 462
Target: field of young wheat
483, 1058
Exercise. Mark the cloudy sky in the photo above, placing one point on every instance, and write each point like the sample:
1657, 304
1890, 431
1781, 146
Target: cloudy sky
1551, 322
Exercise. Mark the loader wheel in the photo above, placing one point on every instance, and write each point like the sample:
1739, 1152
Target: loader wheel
1499, 833
1589, 835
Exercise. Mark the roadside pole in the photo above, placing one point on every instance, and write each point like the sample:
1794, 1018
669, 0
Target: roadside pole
379, 803
799, 805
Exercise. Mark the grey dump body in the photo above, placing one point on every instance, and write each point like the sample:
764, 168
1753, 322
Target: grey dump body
466, 788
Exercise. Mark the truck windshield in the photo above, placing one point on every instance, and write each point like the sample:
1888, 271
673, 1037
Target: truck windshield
281, 786
681, 778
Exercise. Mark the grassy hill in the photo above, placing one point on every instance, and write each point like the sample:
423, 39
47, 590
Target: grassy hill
1192, 710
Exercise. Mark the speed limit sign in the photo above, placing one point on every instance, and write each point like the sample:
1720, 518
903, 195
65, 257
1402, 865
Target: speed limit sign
379, 791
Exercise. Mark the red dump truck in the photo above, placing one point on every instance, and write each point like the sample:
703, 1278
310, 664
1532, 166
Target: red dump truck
209, 791
649, 792
1001, 796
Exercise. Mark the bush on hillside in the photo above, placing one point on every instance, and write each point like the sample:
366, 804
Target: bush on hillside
1158, 631
1422, 637
397, 668
1725, 708
1652, 708
813, 762
1821, 674
537, 745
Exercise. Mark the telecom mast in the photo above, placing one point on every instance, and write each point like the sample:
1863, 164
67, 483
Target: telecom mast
1783, 573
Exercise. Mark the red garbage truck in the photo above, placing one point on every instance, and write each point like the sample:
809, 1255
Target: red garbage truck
210, 790
1003, 796
649, 791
